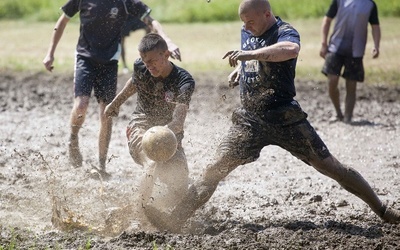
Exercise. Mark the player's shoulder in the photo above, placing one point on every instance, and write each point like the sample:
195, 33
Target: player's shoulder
182, 74
139, 69
287, 32
138, 65
285, 26
374, 5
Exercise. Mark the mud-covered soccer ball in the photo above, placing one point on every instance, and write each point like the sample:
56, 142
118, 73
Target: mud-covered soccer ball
159, 143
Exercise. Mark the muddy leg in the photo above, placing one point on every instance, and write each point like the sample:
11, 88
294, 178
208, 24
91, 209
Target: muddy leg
334, 94
351, 87
171, 181
77, 118
147, 184
350, 180
198, 194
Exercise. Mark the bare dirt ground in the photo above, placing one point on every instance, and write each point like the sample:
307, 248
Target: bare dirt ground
277, 202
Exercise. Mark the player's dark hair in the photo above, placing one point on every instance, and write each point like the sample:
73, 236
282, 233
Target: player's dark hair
151, 42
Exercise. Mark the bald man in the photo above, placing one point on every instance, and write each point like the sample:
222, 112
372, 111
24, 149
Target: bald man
269, 115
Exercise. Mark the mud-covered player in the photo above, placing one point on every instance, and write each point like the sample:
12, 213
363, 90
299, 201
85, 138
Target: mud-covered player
269, 115
164, 92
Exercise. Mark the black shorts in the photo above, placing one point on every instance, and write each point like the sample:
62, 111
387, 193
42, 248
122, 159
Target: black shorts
90, 75
286, 127
353, 67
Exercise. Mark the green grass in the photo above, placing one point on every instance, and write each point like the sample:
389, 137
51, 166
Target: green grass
11, 245
38, 10
14, 239
188, 11
24, 45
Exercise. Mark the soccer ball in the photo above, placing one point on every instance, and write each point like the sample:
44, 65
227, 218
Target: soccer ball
159, 143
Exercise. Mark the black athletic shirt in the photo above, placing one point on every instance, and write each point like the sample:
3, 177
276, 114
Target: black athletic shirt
265, 85
101, 23
157, 98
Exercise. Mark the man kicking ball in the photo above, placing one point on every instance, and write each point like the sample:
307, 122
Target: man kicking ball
164, 92
269, 115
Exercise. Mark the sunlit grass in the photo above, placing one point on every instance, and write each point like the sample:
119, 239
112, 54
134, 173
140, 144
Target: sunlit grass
184, 11
24, 46
384, 69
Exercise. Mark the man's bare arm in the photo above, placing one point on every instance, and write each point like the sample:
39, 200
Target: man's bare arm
129, 89
56, 36
376, 36
178, 118
279, 52
325, 27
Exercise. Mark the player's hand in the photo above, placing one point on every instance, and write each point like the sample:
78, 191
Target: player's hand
323, 51
48, 62
174, 51
238, 55
233, 57
176, 54
111, 110
375, 53
233, 78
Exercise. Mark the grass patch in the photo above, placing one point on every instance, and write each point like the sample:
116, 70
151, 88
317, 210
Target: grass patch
188, 11
17, 238
202, 46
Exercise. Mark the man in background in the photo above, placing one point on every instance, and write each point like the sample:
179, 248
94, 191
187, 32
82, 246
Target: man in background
346, 48
96, 65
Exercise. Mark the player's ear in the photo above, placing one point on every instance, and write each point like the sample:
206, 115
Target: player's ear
267, 13
167, 54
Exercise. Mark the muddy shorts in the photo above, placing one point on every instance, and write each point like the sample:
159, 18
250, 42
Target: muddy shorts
90, 75
286, 127
135, 131
353, 67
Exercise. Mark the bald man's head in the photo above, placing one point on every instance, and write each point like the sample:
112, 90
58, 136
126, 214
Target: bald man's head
256, 15
259, 5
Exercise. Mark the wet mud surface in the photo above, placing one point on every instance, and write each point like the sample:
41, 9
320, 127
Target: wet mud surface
277, 202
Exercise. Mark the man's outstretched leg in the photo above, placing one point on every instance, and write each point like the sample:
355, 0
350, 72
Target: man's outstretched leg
165, 183
171, 181
353, 182
198, 194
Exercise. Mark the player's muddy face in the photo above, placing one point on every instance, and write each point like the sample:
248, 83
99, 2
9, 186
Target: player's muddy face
155, 61
254, 21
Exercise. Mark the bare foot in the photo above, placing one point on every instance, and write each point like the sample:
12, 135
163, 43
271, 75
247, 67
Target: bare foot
100, 174
391, 216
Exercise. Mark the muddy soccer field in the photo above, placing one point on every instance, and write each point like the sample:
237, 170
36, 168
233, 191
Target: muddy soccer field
277, 202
